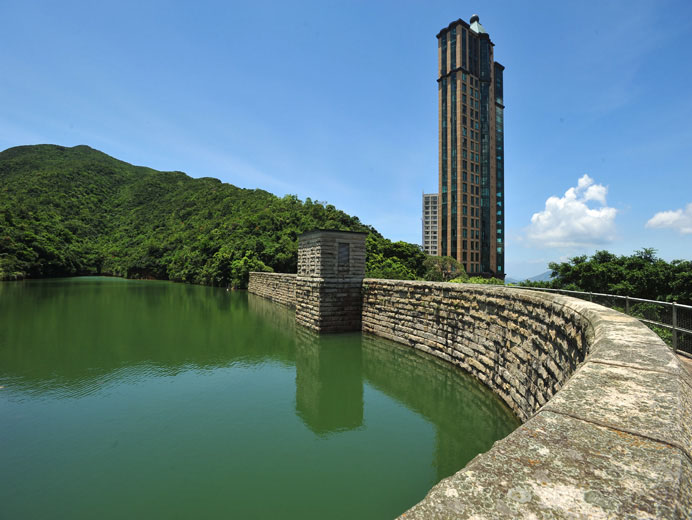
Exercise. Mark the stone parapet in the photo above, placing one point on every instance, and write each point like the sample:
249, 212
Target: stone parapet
278, 287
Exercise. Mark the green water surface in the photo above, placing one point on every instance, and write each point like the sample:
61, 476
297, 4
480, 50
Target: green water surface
134, 399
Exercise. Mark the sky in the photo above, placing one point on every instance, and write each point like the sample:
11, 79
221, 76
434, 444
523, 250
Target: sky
337, 101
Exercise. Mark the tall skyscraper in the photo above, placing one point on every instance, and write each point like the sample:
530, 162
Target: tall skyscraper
430, 208
471, 177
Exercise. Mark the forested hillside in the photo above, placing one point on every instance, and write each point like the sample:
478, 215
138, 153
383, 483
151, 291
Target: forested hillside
67, 211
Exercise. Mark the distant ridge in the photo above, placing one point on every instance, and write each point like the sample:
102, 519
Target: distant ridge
543, 277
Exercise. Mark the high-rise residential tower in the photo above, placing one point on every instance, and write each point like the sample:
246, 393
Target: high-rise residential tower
430, 208
471, 176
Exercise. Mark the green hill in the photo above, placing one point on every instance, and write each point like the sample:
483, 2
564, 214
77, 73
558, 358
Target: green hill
67, 211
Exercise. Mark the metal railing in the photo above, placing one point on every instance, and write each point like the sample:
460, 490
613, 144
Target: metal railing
671, 321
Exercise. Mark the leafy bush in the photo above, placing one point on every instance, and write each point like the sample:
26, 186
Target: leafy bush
486, 281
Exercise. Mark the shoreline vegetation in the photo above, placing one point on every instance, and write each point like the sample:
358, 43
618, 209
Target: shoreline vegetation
77, 211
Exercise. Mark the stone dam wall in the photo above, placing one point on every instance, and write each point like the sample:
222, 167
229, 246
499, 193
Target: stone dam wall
277, 287
605, 404
523, 348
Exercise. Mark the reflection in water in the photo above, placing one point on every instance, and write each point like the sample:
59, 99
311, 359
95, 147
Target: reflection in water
329, 382
468, 418
174, 390
74, 335
331, 370
271, 314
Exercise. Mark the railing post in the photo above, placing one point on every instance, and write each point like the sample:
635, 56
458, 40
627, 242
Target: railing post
627, 304
675, 328
590, 296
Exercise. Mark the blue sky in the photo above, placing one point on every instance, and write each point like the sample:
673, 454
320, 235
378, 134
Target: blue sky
337, 101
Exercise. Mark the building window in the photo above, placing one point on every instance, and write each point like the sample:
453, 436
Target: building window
443, 56
344, 256
463, 49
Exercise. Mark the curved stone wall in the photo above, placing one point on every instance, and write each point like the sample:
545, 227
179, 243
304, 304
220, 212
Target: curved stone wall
607, 408
521, 345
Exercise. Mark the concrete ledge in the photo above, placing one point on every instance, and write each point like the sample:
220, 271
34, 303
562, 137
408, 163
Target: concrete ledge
556, 466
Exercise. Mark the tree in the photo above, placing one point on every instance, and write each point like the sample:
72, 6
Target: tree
443, 269
640, 275
241, 269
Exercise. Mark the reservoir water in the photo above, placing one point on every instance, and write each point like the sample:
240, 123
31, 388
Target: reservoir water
142, 399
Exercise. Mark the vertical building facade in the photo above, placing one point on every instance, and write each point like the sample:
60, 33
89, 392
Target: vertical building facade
430, 223
471, 151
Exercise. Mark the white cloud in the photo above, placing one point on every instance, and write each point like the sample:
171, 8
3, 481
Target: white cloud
568, 221
680, 219
596, 192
